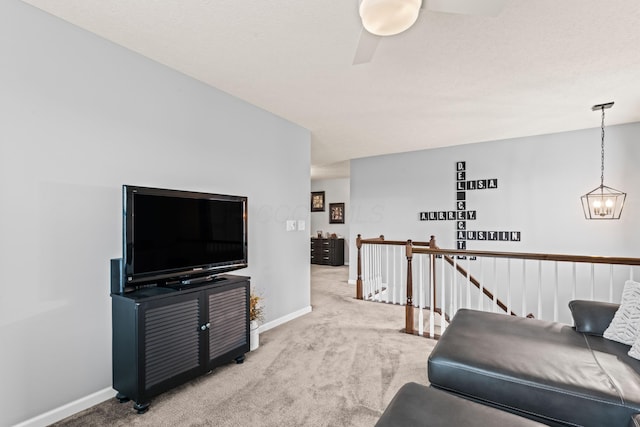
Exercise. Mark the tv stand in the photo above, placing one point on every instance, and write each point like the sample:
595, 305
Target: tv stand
164, 337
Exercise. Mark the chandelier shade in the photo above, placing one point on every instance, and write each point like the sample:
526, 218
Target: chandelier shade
603, 202
389, 17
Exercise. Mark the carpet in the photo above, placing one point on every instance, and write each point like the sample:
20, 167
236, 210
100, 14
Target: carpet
339, 365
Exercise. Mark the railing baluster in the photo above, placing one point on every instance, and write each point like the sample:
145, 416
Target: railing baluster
365, 271
374, 273
539, 289
370, 276
443, 304
575, 281
611, 283
524, 288
420, 288
452, 292
397, 273
555, 293
468, 305
393, 274
386, 274
480, 294
367, 281
508, 285
370, 261
380, 278
403, 279
402, 265
495, 285
380, 281
359, 267
454, 297
432, 303
377, 273
593, 281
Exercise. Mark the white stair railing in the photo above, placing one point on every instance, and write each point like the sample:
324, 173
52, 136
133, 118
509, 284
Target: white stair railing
507, 276
438, 282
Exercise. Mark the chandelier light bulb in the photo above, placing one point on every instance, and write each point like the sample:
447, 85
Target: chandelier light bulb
597, 204
609, 203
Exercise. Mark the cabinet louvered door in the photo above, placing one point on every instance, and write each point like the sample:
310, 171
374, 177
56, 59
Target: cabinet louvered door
229, 331
172, 341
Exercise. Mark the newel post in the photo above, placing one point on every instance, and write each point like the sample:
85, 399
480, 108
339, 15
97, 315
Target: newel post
409, 306
359, 277
432, 242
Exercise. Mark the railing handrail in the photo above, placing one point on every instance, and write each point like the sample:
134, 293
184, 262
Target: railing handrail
532, 256
379, 241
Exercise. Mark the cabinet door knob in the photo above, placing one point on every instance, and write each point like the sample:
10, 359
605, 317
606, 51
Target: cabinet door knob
205, 326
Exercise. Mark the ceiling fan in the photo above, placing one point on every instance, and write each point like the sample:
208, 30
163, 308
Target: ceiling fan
381, 18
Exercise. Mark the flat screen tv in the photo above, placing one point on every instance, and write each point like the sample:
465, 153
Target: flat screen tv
177, 236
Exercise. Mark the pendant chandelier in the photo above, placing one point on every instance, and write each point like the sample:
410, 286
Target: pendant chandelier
603, 202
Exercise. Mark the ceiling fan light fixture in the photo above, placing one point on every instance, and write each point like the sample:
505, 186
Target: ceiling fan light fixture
389, 17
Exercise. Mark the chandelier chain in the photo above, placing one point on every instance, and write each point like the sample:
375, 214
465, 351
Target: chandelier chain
602, 151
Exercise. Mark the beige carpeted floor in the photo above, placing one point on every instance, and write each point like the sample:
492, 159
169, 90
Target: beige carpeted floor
337, 366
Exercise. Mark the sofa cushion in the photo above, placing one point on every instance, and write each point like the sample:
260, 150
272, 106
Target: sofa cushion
416, 405
537, 368
626, 322
592, 317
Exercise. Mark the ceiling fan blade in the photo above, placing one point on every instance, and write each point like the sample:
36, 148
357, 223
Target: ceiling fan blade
468, 7
366, 48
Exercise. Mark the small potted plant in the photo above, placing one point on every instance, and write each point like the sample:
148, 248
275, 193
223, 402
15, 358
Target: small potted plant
256, 316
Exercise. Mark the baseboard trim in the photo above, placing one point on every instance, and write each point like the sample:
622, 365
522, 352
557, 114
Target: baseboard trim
69, 409
284, 319
100, 396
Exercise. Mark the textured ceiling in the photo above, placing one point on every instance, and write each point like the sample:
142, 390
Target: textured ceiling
536, 68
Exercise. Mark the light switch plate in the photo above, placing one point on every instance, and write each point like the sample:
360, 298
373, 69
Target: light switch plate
301, 225
291, 225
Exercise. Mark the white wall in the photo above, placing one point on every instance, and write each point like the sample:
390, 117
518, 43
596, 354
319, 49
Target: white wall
80, 117
336, 191
540, 181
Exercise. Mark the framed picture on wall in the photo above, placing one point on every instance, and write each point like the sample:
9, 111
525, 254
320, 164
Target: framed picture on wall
336, 213
317, 201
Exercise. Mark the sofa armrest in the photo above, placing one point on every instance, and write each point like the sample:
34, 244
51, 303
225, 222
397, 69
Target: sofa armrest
592, 317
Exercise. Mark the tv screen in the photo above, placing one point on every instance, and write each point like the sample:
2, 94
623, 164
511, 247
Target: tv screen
178, 235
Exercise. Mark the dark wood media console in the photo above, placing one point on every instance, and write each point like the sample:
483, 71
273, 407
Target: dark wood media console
163, 337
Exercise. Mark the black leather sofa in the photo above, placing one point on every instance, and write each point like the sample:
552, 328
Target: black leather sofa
545, 371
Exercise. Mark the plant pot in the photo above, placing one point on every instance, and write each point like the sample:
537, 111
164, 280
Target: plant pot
254, 336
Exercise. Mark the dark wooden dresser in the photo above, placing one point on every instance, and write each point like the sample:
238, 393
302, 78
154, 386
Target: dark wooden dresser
327, 251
